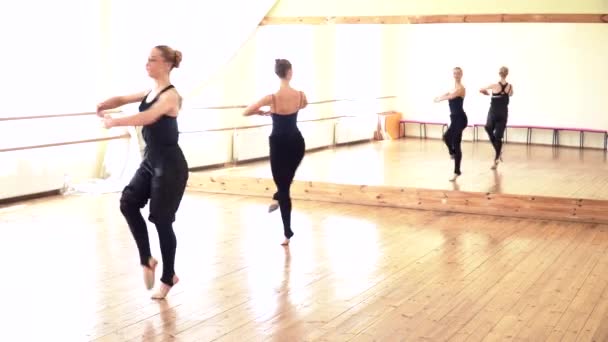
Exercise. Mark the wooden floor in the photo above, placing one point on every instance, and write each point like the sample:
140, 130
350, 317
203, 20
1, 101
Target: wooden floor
527, 170
352, 273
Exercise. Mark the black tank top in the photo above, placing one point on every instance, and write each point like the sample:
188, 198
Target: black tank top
162, 133
284, 124
456, 105
500, 100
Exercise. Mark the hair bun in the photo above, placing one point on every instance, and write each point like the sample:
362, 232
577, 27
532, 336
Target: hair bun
178, 58
281, 67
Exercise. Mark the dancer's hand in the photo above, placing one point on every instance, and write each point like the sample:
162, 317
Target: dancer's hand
108, 122
100, 109
484, 91
436, 100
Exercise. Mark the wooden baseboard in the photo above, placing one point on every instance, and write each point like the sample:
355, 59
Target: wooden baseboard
599, 18
24, 198
536, 207
353, 143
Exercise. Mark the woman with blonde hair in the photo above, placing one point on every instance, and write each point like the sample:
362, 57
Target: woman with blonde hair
163, 173
458, 120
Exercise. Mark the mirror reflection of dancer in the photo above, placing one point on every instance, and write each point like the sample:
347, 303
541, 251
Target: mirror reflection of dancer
458, 120
498, 113
287, 144
163, 173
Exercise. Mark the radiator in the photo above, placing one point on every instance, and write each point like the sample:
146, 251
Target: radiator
41, 170
251, 143
354, 129
318, 133
207, 148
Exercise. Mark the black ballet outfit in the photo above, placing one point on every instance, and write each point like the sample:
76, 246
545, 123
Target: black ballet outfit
453, 136
497, 118
287, 149
161, 178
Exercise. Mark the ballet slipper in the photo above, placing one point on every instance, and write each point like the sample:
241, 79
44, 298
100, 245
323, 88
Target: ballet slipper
287, 239
497, 161
273, 206
149, 272
454, 176
164, 289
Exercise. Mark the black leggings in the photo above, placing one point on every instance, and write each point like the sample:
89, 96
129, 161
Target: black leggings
161, 178
286, 154
453, 138
495, 127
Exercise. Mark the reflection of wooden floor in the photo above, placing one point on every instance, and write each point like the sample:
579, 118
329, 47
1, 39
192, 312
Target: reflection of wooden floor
70, 273
527, 170
534, 182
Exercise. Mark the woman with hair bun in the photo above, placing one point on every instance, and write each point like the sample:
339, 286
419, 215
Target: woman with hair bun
287, 144
163, 173
498, 114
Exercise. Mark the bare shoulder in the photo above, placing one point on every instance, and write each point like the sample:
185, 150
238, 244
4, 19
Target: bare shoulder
299, 93
302, 98
171, 101
461, 89
171, 96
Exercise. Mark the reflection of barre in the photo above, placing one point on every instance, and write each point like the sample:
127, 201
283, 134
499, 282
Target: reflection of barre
122, 136
51, 116
309, 103
265, 125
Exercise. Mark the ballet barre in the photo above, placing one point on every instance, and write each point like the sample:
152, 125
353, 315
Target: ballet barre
582, 132
529, 129
555, 132
421, 126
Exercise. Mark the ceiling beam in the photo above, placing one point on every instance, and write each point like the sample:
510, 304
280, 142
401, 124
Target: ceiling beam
442, 19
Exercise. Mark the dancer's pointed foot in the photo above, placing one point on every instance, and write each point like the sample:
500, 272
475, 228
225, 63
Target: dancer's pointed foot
149, 272
454, 176
164, 289
287, 239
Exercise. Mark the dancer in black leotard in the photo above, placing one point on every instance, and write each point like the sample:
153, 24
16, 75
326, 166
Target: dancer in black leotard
163, 173
287, 144
498, 113
458, 121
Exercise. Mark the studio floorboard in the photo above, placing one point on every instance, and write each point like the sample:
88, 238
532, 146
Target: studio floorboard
352, 273
527, 169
